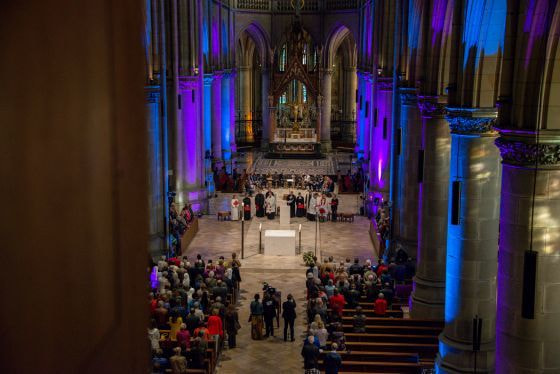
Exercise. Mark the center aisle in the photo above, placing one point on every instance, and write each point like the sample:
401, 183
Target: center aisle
287, 274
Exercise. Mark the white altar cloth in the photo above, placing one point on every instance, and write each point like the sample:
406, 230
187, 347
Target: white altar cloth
280, 243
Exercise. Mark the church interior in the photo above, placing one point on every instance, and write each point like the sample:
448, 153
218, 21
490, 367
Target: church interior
298, 186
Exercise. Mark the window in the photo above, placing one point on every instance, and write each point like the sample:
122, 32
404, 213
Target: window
304, 57
304, 93
283, 99
283, 58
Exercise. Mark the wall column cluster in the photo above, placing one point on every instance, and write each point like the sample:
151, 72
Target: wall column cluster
476, 79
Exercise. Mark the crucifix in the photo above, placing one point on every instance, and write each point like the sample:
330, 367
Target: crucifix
298, 6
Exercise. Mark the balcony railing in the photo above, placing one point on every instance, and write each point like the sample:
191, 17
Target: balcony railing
285, 6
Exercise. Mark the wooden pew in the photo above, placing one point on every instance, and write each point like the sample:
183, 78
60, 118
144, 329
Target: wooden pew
397, 321
378, 367
390, 338
396, 329
424, 350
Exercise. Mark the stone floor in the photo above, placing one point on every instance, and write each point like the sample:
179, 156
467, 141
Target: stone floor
286, 273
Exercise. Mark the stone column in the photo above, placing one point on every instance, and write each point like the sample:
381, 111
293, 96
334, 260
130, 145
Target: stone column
428, 295
245, 82
326, 112
265, 110
271, 117
381, 133
529, 345
472, 242
207, 115
407, 189
225, 103
352, 84
232, 139
155, 163
216, 110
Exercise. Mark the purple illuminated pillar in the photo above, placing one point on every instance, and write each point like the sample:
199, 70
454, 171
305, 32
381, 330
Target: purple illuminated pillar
216, 109
232, 141
530, 198
381, 132
428, 295
225, 107
472, 241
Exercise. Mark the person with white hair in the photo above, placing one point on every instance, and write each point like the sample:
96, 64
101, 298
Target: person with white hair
310, 354
380, 306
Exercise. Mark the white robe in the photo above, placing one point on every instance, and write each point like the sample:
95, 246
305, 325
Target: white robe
270, 205
311, 206
234, 209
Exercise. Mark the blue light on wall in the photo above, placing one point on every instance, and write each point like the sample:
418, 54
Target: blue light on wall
484, 31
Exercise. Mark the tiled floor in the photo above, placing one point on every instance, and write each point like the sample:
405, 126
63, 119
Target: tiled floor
286, 273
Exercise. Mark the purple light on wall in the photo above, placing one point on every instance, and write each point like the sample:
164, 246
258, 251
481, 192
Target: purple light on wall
536, 23
215, 40
438, 19
379, 169
190, 134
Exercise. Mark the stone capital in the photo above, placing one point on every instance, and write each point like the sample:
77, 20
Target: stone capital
472, 121
188, 83
385, 84
520, 147
208, 78
152, 94
432, 106
409, 95
218, 74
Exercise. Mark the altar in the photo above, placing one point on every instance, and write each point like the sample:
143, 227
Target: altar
280, 243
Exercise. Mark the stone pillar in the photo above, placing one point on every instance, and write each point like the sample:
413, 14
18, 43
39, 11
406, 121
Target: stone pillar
155, 171
232, 139
271, 117
207, 115
428, 295
216, 110
225, 103
529, 345
407, 188
265, 110
381, 133
245, 82
352, 84
472, 242
326, 112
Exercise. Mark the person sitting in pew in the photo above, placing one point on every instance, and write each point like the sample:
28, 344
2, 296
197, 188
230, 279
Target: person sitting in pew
359, 321
380, 305
387, 291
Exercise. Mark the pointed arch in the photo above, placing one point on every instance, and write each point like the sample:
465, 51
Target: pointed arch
339, 34
261, 39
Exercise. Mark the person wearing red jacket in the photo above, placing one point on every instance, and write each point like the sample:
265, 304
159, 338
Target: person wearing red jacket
215, 326
380, 305
337, 302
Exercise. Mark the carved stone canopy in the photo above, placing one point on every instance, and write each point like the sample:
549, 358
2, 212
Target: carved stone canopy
472, 121
521, 148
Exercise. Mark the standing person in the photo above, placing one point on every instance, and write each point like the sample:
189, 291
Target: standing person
334, 208
269, 309
256, 318
270, 205
292, 204
178, 362
310, 354
312, 207
332, 360
322, 208
232, 325
300, 204
289, 315
234, 208
247, 208
215, 326
259, 204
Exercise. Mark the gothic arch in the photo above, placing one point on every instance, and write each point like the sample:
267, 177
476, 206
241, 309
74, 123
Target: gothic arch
338, 35
261, 39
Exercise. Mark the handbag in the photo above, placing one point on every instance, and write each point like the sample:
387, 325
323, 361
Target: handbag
237, 325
